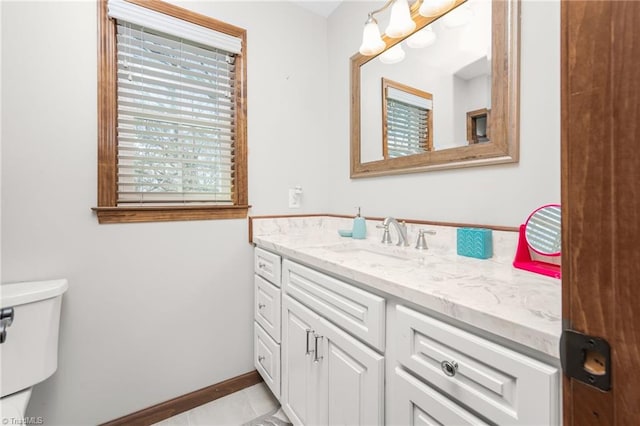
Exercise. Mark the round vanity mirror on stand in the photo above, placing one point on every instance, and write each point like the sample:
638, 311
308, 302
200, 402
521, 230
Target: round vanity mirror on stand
539, 242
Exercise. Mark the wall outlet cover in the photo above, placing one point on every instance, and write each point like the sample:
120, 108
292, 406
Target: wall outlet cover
294, 198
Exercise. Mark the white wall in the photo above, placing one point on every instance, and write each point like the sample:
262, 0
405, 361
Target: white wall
153, 311
499, 195
468, 95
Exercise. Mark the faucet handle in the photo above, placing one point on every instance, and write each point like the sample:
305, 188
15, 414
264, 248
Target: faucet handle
421, 244
386, 236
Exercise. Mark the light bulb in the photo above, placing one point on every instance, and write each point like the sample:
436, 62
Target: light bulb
393, 55
423, 38
400, 22
372, 43
431, 8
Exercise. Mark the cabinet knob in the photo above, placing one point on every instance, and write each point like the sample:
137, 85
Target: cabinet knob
449, 368
261, 265
261, 305
260, 359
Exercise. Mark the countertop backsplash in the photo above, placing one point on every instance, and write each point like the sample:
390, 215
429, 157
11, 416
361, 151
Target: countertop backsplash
443, 242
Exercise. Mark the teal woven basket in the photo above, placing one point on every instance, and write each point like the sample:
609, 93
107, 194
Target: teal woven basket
475, 242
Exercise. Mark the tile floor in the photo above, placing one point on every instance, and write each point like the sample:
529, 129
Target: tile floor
231, 410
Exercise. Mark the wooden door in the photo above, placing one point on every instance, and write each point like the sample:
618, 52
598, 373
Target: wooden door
601, 200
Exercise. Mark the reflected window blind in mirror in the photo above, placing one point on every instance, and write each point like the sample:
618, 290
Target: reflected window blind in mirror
408, 122
176, 115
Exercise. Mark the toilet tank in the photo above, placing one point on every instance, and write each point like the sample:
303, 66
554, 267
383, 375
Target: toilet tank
30, 352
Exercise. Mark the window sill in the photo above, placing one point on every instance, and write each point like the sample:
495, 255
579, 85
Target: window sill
166, 214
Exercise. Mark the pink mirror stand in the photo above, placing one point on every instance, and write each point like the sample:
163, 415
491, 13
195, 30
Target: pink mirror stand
523, 259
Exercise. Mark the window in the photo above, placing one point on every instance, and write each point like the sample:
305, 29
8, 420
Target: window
171, 115
407, 120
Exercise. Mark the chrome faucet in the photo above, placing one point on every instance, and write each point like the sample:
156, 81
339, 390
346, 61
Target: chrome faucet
400, 227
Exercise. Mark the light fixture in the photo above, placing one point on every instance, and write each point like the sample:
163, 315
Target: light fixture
430, 8
400, 22
423, 38
372, 43
393, 55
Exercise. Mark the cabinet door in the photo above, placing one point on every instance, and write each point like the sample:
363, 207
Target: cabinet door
415, 403
267, 265
267, 307
300, 381
267, 358
504, 386
352, 379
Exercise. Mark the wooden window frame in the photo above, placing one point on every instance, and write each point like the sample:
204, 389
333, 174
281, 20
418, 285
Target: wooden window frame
108, 210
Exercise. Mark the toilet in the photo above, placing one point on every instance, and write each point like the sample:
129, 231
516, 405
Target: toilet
30, 317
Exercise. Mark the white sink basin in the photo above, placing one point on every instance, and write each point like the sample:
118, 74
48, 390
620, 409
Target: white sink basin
377, 253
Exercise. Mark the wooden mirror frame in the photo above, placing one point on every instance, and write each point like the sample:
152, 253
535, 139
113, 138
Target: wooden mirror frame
504, 127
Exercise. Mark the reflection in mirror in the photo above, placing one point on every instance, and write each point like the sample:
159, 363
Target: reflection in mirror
407, 120
454, 65
543, 230
467, 60
478, 126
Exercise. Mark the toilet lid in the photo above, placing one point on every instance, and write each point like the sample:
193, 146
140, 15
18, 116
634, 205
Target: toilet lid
14, 406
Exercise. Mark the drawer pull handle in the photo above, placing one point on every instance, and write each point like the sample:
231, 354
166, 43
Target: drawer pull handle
316, 358
260, 359
261, 305
309, 331
261, 265
449, 368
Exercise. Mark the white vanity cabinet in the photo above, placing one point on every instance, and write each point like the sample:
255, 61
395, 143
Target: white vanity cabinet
267, 315
335, 353
328, 376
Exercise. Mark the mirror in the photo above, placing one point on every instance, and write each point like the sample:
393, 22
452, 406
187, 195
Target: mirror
539, 242
452, 103
542, 230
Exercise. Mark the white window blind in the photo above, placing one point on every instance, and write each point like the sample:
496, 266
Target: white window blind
176, 118
150, 19
407, 128
409, 98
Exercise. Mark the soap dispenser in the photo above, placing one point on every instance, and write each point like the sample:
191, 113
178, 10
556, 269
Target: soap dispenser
359, 227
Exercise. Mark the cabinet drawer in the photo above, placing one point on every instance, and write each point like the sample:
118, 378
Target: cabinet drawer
415, 403
356, 311
267, 309
267, 358
267, 265
502, 385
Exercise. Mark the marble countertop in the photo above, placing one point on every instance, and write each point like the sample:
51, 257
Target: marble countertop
488, 294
